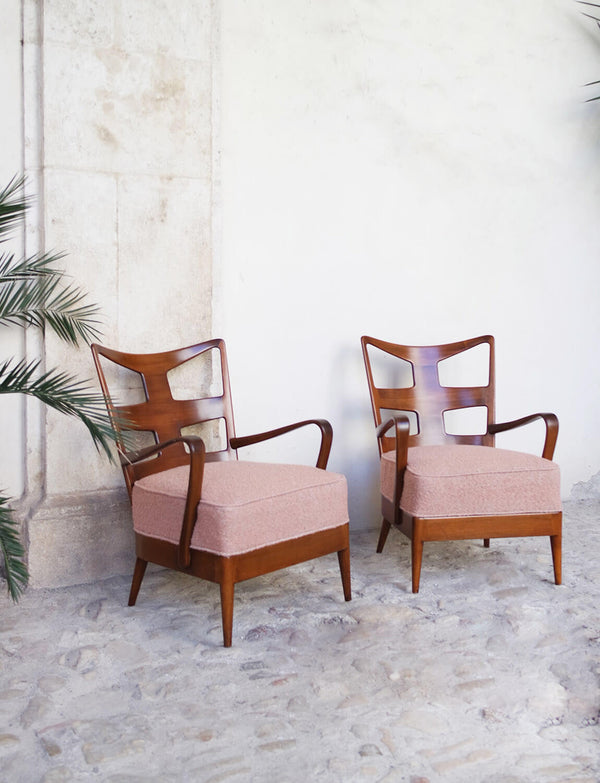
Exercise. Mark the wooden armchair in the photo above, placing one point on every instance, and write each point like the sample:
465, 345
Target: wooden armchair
438, 486
204, 512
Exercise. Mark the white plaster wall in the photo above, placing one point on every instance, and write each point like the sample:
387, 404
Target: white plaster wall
11, 148
421, 172
11, 161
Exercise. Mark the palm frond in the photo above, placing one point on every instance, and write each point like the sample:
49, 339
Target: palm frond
40, 265
12, 551
43, 300
62, 392
590, 16
33, 291
13, 205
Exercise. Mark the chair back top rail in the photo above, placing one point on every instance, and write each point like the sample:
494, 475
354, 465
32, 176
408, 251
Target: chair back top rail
426, 396
160, 413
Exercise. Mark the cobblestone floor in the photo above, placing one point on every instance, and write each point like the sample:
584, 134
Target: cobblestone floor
490, 674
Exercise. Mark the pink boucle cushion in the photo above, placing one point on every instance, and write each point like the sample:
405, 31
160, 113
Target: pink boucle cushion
244, 505
457, 481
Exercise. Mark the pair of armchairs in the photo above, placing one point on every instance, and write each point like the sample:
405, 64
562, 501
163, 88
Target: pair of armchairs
259, 517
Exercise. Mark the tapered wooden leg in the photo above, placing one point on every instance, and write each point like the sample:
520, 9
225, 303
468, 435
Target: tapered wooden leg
138, 575
417, 557
385, 529
344, 561
556, 544
486, 543
227, 589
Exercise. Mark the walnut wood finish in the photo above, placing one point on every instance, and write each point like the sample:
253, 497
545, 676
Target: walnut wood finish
429, 400
165, 417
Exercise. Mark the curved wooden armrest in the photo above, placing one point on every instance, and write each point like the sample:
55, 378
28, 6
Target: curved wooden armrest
322, 424
131, 457
197, 452
549, 419
401, 425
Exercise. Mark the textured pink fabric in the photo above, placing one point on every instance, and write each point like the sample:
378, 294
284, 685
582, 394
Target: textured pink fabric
244, 506
456, 481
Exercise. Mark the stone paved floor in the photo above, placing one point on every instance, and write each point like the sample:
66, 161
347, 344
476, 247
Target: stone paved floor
491, 674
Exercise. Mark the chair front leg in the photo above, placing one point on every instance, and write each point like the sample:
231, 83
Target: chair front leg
416, 555
227, 586
556, 545
344, 561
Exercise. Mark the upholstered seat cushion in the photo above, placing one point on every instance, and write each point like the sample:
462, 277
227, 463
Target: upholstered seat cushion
244, 505
455, 481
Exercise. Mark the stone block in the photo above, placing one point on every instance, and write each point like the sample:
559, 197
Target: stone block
80, 538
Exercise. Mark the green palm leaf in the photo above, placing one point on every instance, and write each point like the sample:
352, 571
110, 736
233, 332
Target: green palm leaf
32, 293
12, 205
35, 292
64, 393
12, 551
594, 5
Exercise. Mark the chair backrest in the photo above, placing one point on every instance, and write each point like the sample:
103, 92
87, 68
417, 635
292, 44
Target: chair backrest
423, 395
160, 413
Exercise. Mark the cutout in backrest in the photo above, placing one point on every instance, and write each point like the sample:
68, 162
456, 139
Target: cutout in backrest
468, 368
197, 378
125, 386
139, 439
390, 372
466, 421
213, 433
412, 417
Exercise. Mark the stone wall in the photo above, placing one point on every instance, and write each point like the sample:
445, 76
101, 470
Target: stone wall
118, 130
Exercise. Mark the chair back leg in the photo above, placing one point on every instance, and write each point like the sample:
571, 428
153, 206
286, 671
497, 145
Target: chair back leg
138, 575
385, 529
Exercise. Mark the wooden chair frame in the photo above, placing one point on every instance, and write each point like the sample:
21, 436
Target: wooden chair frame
429, 400
165, 417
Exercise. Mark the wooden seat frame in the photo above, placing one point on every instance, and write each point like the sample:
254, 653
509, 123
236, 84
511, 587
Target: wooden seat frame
165, 417
430, 400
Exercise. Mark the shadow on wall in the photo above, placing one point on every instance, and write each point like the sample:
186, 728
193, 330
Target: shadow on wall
355, 445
